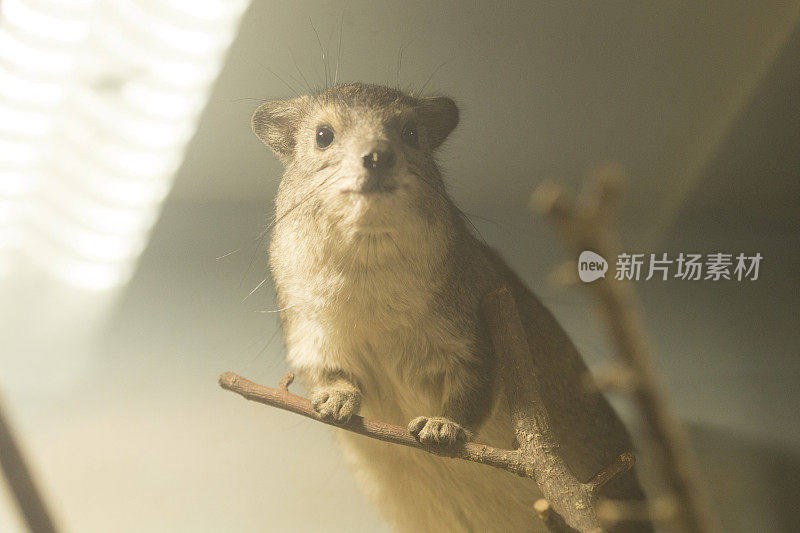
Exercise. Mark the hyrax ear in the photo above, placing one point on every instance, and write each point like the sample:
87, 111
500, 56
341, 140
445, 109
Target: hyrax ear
440, 117
276, 123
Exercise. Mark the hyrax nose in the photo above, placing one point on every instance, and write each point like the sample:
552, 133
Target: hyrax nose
379, 157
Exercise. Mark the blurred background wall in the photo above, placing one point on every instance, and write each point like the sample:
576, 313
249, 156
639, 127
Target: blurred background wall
112, 386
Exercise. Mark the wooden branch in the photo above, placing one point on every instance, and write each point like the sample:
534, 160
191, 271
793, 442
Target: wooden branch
586, 224
554, 521
510, 460
618, 466
570, 501
661, 509
616, 376
574, 501
21, 482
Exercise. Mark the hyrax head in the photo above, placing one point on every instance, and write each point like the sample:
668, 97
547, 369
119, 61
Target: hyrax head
359, 156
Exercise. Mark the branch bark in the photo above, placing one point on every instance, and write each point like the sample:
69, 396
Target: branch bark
586, 223
573, 501
554, 521
572, 504
510, 460
21, 482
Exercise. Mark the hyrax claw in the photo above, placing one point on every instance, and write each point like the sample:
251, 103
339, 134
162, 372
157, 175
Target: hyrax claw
336, 405
436, 430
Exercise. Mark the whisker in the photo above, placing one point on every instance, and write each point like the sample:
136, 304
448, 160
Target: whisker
228, 254
308, 85
324, 59
264, 349
258, 241
254, 290
277, 219
352, 269
278, 310
469, 221
339, 52
484, 219
402, 254
433, 74
237, 100
449, 201
307, 197
399, 66
366, 264
291, 88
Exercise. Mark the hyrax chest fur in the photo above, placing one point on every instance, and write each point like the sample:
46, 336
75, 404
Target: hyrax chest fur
380, 283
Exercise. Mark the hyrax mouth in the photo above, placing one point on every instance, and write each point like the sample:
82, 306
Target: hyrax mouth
373, 183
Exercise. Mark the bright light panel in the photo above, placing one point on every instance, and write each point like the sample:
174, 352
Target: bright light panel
98, 99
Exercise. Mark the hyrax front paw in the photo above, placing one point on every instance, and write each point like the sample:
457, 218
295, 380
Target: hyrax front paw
336, 405
436, 430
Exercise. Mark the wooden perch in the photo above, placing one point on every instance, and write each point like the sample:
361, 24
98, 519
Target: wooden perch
21, 482
554, 521
586, 223
574, 501
281, 398
571, 504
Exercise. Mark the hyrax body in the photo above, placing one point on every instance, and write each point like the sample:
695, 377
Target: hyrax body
380, 283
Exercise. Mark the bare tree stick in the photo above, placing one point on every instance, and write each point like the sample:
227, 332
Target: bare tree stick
661, 509
572, 499
586, 224
615, 376
554, 521
563, 275
21, 482
619, 465
510, 460
571, 504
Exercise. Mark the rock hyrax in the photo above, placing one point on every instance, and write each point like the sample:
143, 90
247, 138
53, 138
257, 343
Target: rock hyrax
380, 281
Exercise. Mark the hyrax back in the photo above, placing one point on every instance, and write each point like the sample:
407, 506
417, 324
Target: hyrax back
380, 284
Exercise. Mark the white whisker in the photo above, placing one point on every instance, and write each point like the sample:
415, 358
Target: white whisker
277, 310
254, 290
229, 253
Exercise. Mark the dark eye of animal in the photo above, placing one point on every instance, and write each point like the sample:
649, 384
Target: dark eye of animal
410, 134
324, 136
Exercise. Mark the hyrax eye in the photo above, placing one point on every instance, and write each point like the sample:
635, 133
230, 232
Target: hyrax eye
410, 134
324, 136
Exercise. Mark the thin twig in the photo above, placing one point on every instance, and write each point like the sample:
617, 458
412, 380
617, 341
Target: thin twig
21, 482
586, 223
281, 398
661, 509
613, 377
554, 521
537, 457
574, 501
619, 465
